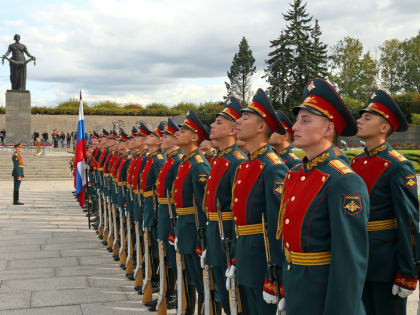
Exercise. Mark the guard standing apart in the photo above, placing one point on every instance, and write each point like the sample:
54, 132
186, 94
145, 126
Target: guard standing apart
218, 195
281, 143
323, 215
256, 197
17, 173
189, 186
391, 182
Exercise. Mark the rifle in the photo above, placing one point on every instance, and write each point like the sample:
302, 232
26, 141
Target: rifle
123, 239
87, 195
272, 269
161, 303
115, 245
180, 267
147, 285
207, 277
129, 262
234, 297
138, 272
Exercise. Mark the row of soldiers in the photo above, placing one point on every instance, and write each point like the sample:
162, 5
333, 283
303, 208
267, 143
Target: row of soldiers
250, 228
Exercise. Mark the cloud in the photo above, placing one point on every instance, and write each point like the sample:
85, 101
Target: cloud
144, 51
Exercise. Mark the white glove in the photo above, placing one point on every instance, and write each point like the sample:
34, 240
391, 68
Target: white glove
203, 259
402, 292
230, 273
107, 199
269, 298
418, 308
281, 307
176, 244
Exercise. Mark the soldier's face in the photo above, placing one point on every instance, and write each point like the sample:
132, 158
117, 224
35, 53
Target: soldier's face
247, 126
310, 129
221, 128
276, 139
168, 142
370, 125
185, 136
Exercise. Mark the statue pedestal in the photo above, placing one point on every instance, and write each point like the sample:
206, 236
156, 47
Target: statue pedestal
18, 117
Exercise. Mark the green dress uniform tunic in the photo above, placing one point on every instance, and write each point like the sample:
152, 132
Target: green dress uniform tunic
322, 223
135, 185
257, 191
17, 172
190, 182
288, 157
391, 182
219, 190
164, 184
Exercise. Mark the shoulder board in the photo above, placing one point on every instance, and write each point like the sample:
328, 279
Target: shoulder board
198, 158
337, 152
238, 155
340, 166
274, 158
293, 156
396, 155
159, 156
180, 156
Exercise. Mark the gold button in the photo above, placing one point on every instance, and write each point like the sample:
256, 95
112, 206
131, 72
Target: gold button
239, 181
365, 162
176, 190
207, 223
261, 166
209, 177
208, 192
386, 164
236, 199
227, 164
293, 198
287, 222
246, 166
235, 218
214, 162
302, 178
288, 176
288, 267
287, 245
323, 178
353, 161
177, 177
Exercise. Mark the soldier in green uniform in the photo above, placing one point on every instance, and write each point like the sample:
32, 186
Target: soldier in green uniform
255, 197
281, 143
189, 186
164, 186
218, 195
323, 215
17, 173
391, 182
148, 179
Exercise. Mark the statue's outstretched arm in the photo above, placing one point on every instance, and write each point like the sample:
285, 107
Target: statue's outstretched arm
28, 54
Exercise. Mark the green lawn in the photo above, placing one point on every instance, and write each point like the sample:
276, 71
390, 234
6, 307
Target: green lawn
412, 155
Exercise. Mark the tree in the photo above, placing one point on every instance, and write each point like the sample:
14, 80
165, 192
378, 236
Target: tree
298, 56
390, 63
241, 72
410, 70
353, 72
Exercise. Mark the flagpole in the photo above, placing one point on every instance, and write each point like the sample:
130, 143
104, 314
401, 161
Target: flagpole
86, 172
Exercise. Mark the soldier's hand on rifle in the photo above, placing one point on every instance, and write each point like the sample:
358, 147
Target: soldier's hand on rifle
402, 292
269, 292
230, 273
203, 259
281, 307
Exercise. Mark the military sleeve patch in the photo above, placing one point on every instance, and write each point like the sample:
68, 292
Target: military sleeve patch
410, 181
278, 187
398, 156
340, 166
274, 158
352, 204
198, 159
293, 156
202, 178
238, 155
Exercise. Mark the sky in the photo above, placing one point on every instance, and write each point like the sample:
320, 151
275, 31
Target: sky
170, 51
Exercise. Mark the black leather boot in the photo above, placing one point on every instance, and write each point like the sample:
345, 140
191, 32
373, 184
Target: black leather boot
200, 304
16, 199
190, 300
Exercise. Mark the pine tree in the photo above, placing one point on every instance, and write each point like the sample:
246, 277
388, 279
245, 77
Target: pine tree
241, 72
277, 72
298, 55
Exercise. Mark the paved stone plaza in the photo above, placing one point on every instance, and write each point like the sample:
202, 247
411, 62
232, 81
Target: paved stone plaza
51, 263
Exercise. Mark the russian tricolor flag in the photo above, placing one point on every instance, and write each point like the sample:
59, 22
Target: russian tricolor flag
80, 157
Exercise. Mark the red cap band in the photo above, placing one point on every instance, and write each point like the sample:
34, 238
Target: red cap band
386, 113
257, 107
